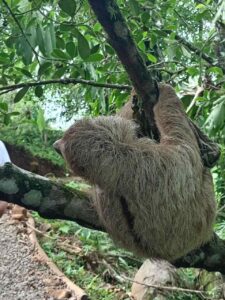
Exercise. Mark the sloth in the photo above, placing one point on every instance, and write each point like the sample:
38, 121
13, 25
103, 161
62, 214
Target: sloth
154, 199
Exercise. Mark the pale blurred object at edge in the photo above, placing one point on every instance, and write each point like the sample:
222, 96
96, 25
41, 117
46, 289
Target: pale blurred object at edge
4, 158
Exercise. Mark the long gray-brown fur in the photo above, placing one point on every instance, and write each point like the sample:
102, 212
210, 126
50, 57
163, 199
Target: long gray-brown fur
164, 188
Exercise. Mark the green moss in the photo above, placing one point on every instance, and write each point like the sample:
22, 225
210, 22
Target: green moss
8, 186
33, 197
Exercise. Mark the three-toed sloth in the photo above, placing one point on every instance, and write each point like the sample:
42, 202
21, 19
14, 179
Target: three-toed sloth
155, 199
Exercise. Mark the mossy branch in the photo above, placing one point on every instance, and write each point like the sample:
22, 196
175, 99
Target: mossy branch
50, 199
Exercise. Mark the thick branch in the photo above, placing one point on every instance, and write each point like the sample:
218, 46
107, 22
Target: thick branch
12, 87
110, 17
51, 200
211, 257
54, 201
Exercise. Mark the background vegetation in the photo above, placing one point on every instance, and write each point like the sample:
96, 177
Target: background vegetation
182, 42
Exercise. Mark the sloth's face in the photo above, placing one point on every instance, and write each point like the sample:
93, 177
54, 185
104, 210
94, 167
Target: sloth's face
63, 146
58, 146
68, 146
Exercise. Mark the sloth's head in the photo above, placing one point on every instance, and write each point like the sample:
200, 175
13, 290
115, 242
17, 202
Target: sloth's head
87, 142
74, 144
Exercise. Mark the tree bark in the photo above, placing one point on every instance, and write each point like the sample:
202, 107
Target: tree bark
110, 17
210, 257
50, 199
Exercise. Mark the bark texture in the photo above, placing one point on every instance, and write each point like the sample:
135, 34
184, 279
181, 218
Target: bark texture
119, 37
50, 199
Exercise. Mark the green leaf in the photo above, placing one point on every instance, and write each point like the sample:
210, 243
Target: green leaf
40, 39
4, 60
64, 228
141, 45
145, 17
95, 57
59, 73
97, 27
66, 27
14, 113
216, 70
71, 49
25, 72
43, 68
134, 7
52, 33
83, 46
48, 41
24, 50
186, 52
152, 58
109, 49
200, 6
6, 119
10, 42
216, 118
60, 43
68, 6
41, 120
95, 49
31, 35
4, 106
193, 71
38, 91
21, 94
60, 54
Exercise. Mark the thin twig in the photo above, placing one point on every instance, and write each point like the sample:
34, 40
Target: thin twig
6, 91
40, 232
194, 49
220, 209
183, 19
113, 272
166, 62
199, 90
10, 88
167, 288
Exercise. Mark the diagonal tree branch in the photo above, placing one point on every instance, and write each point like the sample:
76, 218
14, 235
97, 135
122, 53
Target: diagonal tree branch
110, 17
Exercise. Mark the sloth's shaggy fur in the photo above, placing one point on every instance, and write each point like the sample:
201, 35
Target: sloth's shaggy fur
156, 200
